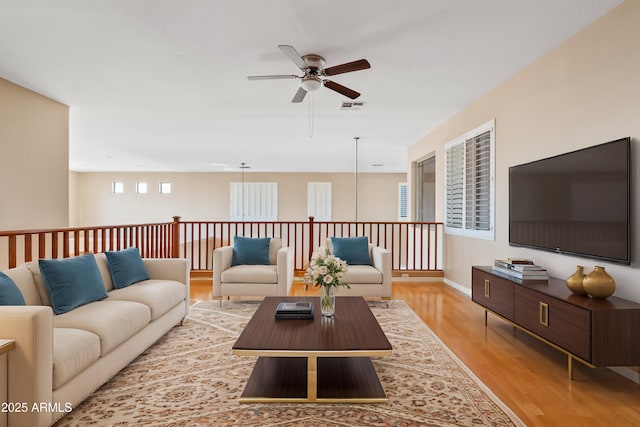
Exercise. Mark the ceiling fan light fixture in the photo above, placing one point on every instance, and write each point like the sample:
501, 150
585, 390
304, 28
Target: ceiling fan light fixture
310, 83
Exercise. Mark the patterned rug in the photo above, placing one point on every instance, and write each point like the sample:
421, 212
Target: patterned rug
191, 378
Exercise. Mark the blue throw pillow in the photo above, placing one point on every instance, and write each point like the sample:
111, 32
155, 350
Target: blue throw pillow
126, 267
352, 250
72, 282
248, 250
9, 292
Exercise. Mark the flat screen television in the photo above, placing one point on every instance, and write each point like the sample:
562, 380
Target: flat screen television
576, 203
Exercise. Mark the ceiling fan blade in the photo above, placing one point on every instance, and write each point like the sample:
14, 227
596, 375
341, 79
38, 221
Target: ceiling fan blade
273, 77
299, 96
360, 64
349, 93
293, 55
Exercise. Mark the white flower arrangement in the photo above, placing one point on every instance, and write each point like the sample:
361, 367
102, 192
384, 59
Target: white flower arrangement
326, 271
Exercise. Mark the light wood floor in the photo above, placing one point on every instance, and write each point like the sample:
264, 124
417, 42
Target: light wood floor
528, 376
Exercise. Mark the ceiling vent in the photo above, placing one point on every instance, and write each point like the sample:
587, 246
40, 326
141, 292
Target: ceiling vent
352, 106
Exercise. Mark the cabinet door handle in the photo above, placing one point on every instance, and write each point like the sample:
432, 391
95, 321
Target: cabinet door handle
487, 288
544, 314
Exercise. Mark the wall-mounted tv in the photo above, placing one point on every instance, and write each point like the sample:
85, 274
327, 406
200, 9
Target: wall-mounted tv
576, 203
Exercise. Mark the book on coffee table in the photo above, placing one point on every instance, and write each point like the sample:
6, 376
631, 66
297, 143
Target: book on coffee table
294, 310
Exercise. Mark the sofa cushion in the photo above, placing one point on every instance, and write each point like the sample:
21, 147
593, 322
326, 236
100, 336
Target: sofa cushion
250, 251
159, 295
9, 292
72, 282
352, 250
73, 351
112, 321
362, 274
103, 266
24, 279
250, 274
34, 268
126, 267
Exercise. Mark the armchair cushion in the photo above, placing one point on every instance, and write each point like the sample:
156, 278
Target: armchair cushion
9, 292
352, 250
252, 251
250, 274
357, 274
126, 267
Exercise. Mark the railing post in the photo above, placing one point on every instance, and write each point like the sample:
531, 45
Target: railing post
310, 237
175, 250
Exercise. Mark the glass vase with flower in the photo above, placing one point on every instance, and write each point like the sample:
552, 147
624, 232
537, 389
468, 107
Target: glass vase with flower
327, 272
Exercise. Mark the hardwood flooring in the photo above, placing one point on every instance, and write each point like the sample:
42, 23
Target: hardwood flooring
528, 376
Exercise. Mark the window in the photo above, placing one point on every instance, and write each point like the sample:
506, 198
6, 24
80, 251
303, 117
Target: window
469, 188
117, 187
319, 200
426, 190
141, 187
403, 213
254, 201
165, 188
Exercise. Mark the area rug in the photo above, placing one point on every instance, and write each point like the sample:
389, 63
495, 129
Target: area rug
191, 378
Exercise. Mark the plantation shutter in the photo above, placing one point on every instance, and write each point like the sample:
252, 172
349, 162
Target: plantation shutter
254, 201
454, 185
403, 213
319, 200
478, 182
469, 191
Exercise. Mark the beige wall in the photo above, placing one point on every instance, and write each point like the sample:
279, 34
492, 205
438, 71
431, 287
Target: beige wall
34, 164
584, 92
205, 196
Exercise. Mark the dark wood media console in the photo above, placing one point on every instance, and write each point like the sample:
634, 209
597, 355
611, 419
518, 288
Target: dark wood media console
597, 333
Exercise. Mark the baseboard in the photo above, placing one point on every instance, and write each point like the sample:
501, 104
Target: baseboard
457, 286
629, 373
414, 279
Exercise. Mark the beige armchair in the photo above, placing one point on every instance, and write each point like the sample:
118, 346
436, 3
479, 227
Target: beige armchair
366, 280
273, 279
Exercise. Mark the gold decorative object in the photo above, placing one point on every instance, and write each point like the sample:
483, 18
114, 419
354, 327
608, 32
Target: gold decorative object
574, 282
598, 284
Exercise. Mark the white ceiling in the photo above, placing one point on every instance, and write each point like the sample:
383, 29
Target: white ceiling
160, 85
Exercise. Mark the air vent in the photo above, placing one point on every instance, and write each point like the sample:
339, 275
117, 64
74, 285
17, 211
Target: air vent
352, 106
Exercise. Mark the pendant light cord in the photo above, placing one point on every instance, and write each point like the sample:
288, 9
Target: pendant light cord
311, 108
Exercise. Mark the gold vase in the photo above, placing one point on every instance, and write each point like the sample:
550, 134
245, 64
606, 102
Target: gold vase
598, 284
575, 281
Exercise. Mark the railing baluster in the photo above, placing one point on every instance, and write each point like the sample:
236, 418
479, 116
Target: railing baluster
28, 250
42, 251
12, 251
54, 245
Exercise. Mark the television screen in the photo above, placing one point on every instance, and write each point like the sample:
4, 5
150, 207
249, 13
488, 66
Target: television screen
576, 203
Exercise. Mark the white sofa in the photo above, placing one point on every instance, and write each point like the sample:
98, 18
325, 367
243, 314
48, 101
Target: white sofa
274, 279
59, 360
366, 280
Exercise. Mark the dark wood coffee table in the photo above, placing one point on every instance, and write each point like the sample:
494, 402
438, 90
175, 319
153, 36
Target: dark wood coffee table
323, 360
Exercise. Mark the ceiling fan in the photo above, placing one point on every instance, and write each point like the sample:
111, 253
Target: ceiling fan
312, 66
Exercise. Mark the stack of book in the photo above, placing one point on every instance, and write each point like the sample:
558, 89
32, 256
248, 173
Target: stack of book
520, 268
294, 310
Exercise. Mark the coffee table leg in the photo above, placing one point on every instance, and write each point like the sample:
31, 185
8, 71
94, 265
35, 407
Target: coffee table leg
312, 378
